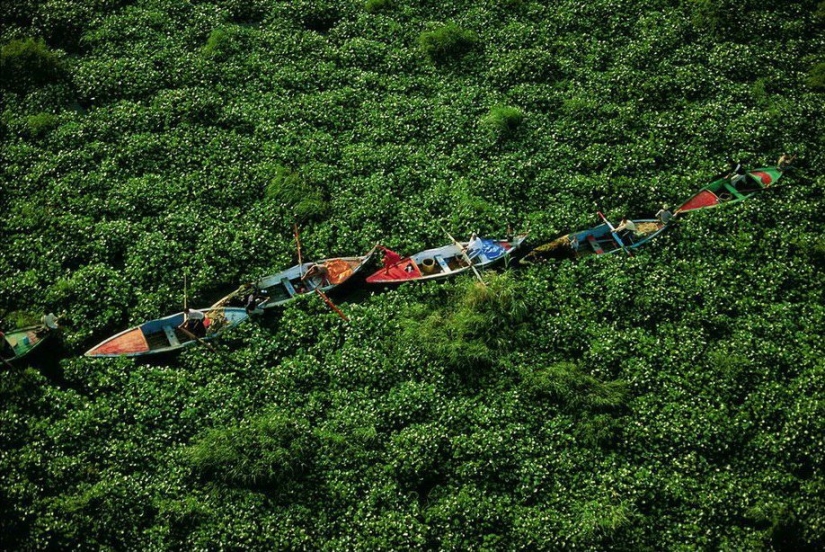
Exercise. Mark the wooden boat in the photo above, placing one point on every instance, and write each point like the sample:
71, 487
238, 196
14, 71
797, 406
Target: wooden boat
278, 289
445, 261
724, 190
597, 241
165, 334
22, 341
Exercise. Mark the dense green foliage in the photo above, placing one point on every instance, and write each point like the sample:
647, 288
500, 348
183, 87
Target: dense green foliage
669, 400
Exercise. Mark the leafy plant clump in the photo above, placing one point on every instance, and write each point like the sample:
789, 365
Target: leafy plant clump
40, 124
28, 63
222, 43
291, 192
502, 120
816, 77
447, 42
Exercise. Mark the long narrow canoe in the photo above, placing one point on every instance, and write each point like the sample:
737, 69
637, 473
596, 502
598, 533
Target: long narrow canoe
165, 335
446, 261
599, 240
285, 286
723, 190
22, 341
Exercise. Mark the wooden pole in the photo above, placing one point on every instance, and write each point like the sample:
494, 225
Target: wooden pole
466, 258
615, 235
298, 244
331, 305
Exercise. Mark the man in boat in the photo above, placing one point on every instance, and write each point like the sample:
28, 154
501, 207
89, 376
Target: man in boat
737, 172
664, 215
318, 270
627, 225
785, 161
254, 298
49, 323
390, 257
193, 322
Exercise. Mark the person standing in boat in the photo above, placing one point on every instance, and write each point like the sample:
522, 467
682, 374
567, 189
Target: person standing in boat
49, 321
628, 225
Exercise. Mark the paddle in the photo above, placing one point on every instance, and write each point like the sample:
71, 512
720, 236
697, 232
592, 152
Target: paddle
198, 339
464, 254
615, 235
331, 305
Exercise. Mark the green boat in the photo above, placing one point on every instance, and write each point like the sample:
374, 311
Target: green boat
732, 190
22, 341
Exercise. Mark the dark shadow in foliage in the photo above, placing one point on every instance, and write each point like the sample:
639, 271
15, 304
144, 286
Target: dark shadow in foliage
721, 18
784, 532
446, 43
28, 64
816, 77
292, 192
63, 24
375, 6
18, 12
419, 457
319, 16
267, 453
246, 11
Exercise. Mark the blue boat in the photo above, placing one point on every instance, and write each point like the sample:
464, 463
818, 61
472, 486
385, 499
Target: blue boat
601, 240
168, 334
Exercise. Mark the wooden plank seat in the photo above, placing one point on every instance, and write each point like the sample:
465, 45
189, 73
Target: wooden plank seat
170, 335
442, 263
288, 286
595, 245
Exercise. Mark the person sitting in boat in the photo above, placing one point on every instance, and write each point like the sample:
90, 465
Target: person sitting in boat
193, 322
254, 298
49, 323
316, 270
664, 215
737, 173
785, 161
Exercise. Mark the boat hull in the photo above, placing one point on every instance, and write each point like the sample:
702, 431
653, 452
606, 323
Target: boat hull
23, 341
164, 335
723, 191
285, 286
446, 261
599, 240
